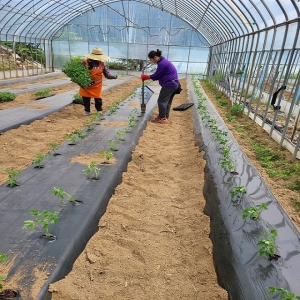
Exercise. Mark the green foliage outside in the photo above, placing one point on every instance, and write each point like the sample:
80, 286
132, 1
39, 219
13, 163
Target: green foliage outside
29, 51
131, 64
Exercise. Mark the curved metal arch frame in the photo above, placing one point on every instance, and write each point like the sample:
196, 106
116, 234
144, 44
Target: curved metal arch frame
70, 9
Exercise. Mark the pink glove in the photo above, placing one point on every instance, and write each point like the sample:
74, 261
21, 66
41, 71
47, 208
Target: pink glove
145, 77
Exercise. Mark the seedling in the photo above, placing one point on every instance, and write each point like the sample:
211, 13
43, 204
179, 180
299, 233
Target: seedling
283, 293
267, 244
3, 259
225, 151
87, 123
45, 218
91, 170
227, 164
120, 133
108, 155
80, 134
75, 135
54, 148
254, 212
97, 115
12, 176
112, 145
132, 120
61, 193
112, 109
89, 127
239, 190
39, 160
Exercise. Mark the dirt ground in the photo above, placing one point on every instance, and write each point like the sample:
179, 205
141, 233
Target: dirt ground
153, 241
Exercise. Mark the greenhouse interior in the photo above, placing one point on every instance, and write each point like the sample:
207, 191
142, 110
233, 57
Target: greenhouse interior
243, 54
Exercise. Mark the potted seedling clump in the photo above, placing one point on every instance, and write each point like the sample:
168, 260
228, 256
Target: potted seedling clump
43, 94
267, 245
7, 96
92, 171
254, 212
45, 219
77, 99
12, 177
77, 72
61, 193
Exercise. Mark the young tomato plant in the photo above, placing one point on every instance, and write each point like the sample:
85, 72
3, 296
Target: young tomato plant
267, 244
61, 193
44, 218
88, 124
112, 145
120, 133
92, 170
3, 259
75, 136
54, 147
12, 176
132, 120
108, 155
227, 164
254, 212
112, 109
239, 190
39, 160
97, 115
283, 293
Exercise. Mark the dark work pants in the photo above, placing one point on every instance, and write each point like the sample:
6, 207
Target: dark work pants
165, 99
87, 104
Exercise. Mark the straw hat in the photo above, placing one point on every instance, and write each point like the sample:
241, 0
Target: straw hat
97, 54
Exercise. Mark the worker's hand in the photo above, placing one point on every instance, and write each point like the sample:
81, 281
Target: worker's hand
145, 77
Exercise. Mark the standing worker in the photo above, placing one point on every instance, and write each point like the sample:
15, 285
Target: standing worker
95, 64
166, 74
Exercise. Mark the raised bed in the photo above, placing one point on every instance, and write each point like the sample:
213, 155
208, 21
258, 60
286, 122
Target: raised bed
37, 261
241, 270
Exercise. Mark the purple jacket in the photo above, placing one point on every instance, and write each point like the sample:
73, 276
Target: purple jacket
166, 73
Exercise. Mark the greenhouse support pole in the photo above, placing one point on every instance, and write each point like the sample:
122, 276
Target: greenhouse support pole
143, 105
